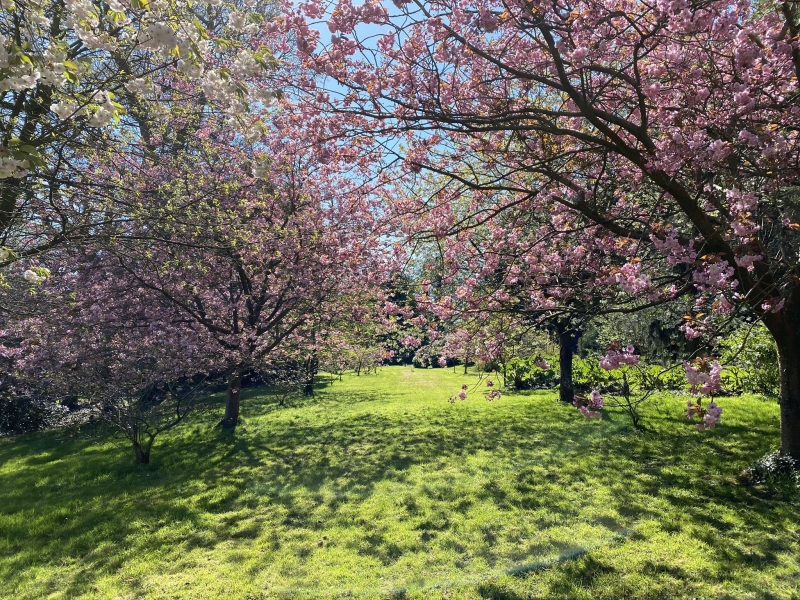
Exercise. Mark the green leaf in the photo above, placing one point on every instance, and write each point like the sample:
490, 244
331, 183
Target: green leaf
117, 17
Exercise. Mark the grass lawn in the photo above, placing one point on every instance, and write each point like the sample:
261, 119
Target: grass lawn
378, 487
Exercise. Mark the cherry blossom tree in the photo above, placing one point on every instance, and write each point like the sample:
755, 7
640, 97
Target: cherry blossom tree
228, 268
82, 76
667, 127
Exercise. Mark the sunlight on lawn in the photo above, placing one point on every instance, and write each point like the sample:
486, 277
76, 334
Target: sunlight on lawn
378, 486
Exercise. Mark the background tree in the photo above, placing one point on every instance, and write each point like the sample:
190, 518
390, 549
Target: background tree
78, 77
242, 265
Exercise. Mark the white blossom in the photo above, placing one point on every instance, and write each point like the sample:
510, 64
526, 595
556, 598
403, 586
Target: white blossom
160, 37
31, 276
10, 167
190, 68
64, 109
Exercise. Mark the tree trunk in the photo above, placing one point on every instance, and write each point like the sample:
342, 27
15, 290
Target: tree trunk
568, 344
312, 366
231, 417
785, 328
141, 453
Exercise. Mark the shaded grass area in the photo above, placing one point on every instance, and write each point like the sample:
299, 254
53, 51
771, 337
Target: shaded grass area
378, 487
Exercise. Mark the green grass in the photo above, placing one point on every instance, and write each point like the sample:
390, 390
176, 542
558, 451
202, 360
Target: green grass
379, 487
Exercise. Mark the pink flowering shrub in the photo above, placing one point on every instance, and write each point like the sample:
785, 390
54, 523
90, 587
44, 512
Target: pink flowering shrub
619, 360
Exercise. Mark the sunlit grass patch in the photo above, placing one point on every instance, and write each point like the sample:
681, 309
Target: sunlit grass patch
379, 487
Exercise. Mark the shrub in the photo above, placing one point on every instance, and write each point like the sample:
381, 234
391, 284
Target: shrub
587, 374
23, 414
775, 471
754, 359
526, 375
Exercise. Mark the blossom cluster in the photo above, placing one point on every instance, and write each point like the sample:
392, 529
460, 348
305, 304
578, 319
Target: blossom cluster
589, 405
492, 394
709, 416
703, 375
616, 356
462, 395
36, 274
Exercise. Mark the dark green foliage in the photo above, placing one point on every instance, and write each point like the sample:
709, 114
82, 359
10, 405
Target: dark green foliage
524, 375
655, 332
774, 471
21, 412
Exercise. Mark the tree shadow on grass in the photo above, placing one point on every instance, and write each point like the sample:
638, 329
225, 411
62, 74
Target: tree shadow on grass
311, 476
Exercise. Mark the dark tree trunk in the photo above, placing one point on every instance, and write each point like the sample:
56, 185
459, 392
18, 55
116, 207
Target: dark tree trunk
568, 344
785, 328
312, 366
141, 453
231, 417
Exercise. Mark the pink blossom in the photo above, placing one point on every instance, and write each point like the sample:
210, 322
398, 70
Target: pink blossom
579, 54
591, 414
614, 359
704, 378
587, 404
712, 416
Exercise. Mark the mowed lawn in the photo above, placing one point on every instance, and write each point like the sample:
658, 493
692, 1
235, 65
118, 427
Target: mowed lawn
378, 487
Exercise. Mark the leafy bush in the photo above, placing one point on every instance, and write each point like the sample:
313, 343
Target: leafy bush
658, 378
774, 470
753, 361
587, 374
22, 414
525, 375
